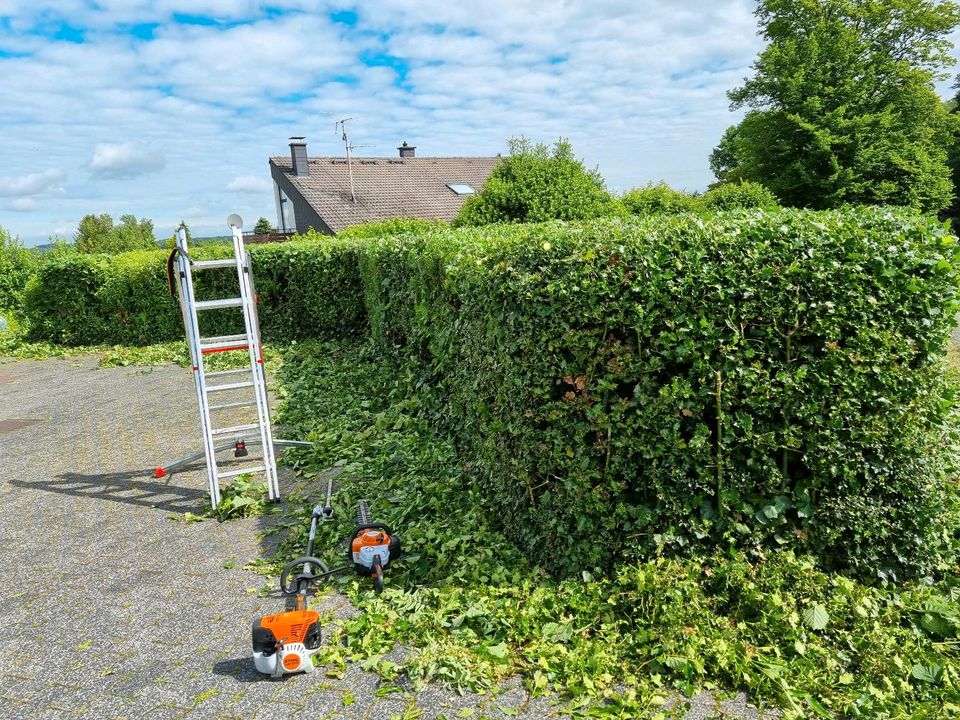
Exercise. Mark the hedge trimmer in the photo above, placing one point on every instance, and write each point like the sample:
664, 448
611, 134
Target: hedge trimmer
284, 643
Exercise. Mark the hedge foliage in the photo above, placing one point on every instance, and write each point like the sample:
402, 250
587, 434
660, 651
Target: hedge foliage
758, 379
660, 198
394, 226
308, 287
623, 387
16, 265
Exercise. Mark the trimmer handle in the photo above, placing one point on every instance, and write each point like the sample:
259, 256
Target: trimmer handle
302, 577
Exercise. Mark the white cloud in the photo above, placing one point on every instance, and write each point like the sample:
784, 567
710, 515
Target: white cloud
32, 183
23, 204
124, 160
252, 184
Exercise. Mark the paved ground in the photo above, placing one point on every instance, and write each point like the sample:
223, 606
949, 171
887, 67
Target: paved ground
111, 609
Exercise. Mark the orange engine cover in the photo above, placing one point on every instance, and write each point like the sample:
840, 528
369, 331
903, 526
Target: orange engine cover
291, 626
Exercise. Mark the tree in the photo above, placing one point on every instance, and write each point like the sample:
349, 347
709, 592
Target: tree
263, 227
98, 234
537, 183
842, 106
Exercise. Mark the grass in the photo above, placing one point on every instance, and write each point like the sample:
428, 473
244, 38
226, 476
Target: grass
813, 643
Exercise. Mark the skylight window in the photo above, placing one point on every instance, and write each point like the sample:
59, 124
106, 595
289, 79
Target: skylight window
462, 188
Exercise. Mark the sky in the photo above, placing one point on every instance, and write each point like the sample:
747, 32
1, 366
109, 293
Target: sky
170, 109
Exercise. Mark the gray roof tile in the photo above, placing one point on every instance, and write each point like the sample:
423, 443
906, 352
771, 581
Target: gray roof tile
386, 187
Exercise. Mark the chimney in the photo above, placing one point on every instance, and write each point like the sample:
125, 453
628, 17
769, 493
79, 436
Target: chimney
407, 150
298, 153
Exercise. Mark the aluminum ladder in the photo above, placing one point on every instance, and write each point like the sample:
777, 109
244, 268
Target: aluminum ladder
252, 378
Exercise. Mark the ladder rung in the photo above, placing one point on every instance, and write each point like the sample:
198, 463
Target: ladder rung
234, 429
218, 373
224, 406
241, 471
226, 341
214, 304
229, 262
230, 386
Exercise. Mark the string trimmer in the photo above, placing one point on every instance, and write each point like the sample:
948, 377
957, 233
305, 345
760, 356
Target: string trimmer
285, 642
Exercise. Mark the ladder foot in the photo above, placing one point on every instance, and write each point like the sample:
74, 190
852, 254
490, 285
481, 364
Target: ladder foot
160, 473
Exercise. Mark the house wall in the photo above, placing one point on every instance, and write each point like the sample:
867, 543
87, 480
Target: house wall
306, 217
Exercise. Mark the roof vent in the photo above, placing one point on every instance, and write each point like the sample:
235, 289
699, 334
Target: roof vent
407, 151
298, 154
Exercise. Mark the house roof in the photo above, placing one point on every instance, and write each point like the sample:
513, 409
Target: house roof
386, 187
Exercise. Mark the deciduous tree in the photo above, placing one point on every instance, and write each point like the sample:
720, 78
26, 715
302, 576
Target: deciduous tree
842, 107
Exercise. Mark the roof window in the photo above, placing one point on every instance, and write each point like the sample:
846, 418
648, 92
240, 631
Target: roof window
462, 188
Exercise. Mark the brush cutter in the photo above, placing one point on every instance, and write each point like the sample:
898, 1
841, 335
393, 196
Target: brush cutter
284, 643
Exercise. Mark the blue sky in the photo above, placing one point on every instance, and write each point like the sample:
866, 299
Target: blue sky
169, 109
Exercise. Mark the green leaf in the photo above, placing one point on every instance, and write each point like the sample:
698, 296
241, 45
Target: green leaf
815, 616
927, 673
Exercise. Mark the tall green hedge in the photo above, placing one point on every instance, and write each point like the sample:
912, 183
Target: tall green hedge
16, 265
307, 288
758, 379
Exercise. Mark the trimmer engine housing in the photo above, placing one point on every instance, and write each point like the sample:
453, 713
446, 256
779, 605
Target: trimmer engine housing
285, 642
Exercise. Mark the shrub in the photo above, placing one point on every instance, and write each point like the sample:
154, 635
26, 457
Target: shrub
536, 183
730, 196
98, 234
622, 388
16, 265
307, 288
394, 226
659, 198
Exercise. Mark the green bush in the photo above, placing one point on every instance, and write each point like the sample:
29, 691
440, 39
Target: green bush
16, 265
98, 234
536, 183
758, 379
308, 287
659, 198
730, 196
394, 226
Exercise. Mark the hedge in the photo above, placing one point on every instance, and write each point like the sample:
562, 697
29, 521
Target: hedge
758, 379
624, 387
309, 287
16, 265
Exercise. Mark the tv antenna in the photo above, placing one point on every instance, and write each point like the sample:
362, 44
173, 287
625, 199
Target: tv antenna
341, 126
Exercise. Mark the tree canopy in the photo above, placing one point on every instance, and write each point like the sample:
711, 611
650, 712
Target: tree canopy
538, 183
842, 106
98, 234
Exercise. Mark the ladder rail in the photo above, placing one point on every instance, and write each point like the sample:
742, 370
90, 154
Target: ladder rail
192, 328
255, 351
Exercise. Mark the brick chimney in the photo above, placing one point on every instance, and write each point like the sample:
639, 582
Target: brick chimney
407, 151
298, 153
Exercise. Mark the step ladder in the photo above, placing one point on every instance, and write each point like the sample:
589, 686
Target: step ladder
229, 389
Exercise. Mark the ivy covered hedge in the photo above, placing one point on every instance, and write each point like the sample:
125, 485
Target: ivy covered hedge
307, 288
756, 379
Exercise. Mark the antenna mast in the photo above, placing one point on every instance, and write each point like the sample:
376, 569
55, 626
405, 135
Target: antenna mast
342, 125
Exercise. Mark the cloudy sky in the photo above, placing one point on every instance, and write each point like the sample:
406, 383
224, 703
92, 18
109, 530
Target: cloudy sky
169, 109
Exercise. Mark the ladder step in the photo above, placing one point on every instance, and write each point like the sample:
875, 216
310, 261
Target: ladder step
241, 471
214, 304
218, 373
234, 429
229, 262
230, 386
224, 406
223, 341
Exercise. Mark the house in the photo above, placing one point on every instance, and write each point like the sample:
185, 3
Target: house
330, 194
